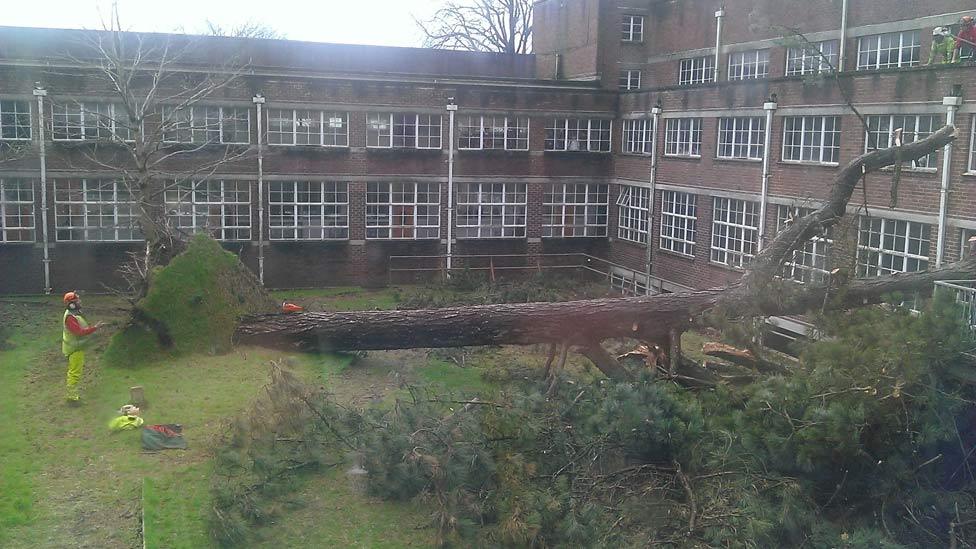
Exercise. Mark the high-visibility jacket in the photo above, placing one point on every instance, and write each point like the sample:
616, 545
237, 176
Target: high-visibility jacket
70, 340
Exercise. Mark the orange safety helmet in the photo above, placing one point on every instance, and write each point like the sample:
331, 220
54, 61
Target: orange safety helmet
71, 297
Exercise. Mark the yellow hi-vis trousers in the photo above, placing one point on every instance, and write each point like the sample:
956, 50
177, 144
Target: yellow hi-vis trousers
76, 366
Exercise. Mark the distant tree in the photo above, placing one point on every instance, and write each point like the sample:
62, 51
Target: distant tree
249, 29
503, 26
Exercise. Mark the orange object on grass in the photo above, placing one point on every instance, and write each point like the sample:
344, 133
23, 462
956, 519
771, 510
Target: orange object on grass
291, 307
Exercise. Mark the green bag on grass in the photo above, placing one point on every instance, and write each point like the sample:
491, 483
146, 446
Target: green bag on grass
163, 437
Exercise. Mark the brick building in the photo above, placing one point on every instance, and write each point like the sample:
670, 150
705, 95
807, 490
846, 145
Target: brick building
695, 127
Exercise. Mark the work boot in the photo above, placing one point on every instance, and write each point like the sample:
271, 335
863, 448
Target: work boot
73, 402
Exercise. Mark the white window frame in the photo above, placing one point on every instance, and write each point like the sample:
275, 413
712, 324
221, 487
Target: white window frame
744, 133
191, 205
630, 79
683, 137
515, 133
398, 211
811, 262
197, 124
928, 163
332, 215
749, 65
382, 131
88, 121
328, 128
633, 28
598, 135
876, 257
971, 169
808, 145
17, 216
679, 219
809, 59
633, 213
696, 70
88, 211
480, 202
899, 42
638, 136
564, 205
734, 238
15, 120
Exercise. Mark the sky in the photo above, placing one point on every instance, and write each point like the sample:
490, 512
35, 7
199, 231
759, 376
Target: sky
377, 22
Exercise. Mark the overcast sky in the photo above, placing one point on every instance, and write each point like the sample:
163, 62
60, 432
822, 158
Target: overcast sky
380, 22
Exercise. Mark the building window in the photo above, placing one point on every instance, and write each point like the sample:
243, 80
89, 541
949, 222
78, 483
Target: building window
886, 246
679, 212
638, 136
94, 210
630, 79
575, 209
972, 147
745, 65
633, 212
403, 211
633, 28
735, 231
89, 121
304, 127
403, 131
682, 137
16, 210
221, 209
575, 134
493, 132
888, 51
814, 139
967, 247
15, 120
308, 210
883, 133
697, 70
810, 262
491, 210
202, 125
812, 58
741, 137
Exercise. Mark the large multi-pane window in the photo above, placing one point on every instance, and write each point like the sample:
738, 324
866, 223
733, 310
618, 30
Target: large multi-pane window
891, 50
741, 137
682, 137
578, 134
630, 79
491, 210
16, 210
633, 28
735, 231
207, 124
403, 131
575, 209
15, 120
633, 212
813, 58
886, 246
810, 263
814, 139
744, 65
696, 70
308, 210
94, 210
678, 216
403, 211
889, 130
74, 121
219, 208
308, 127
638, 136
493, 132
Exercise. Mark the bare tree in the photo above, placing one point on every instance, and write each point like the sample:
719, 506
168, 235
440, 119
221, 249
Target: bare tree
503, 26
249, 29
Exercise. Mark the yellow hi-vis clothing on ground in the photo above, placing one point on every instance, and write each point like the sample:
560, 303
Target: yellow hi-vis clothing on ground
72, 346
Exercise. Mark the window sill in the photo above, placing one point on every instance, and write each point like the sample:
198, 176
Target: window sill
638, 155
575, 237
424, 239
309, 149
17, 243
907, 169
493, 152
745, 160
811, 164
683, 156
402, 151
576, 153
97, 242
490, 238
727, 267
306, 240
970, 173
673, 253
631, 242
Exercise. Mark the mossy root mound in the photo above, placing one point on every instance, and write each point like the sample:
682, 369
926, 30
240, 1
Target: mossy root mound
193, 305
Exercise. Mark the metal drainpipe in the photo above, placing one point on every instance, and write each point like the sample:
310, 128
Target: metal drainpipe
656, 116
842, 54
952, 104
718, 41
259, 103
770, 108
41, 93
451, 109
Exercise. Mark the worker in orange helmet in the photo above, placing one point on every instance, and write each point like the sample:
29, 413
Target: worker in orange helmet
75, 337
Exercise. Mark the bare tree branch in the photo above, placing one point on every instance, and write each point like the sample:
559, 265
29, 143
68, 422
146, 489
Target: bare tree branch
503, 26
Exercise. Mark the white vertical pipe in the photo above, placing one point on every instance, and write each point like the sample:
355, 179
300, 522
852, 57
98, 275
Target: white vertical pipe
718, 42
451, 109
41, 93
259, 103
770, 108
656, 117
952, 104
842, 55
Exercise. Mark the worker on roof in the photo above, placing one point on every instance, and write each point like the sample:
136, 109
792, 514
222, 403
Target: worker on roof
965, 40
942, 48
75, 337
